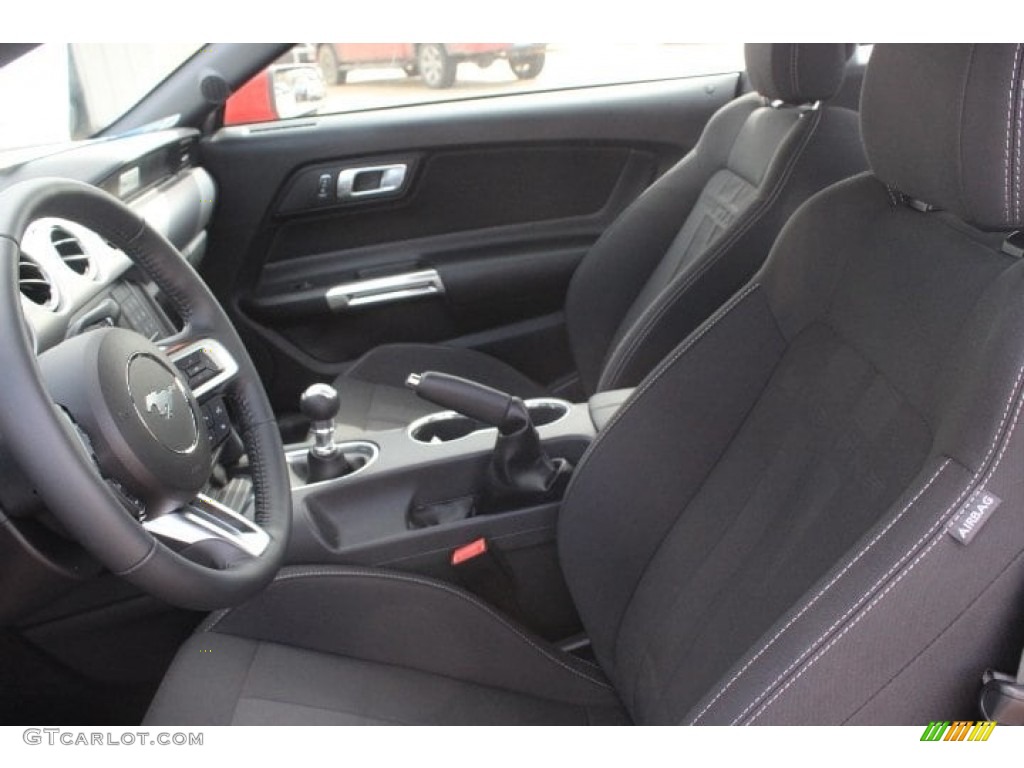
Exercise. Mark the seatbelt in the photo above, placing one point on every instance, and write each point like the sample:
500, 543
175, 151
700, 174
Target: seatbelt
1002, 696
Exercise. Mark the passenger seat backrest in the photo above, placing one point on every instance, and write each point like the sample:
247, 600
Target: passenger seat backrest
703, 228
787, 546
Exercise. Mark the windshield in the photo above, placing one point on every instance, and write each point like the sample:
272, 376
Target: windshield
59, 92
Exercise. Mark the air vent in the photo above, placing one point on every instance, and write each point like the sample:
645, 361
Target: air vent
35, 285
186, 155
71, 250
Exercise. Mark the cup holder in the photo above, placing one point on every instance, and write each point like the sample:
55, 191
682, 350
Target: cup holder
446, 426
544, 411
443, 427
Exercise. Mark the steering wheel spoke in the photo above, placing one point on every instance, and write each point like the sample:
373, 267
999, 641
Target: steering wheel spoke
205, 364
205, 519
150, 418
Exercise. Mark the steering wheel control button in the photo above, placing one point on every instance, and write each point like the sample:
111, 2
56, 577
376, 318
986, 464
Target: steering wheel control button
206, 365
162, 404
218, 425
131, 502
135, 312
198, 367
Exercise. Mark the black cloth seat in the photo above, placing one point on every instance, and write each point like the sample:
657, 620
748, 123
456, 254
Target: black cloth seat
448, 658
676, 254
809, 512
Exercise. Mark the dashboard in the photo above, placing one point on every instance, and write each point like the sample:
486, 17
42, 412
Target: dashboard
72, 280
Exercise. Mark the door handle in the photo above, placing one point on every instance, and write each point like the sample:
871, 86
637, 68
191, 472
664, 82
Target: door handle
371, 181
384, 290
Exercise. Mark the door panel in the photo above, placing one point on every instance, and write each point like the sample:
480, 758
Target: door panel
500, 199
457, 191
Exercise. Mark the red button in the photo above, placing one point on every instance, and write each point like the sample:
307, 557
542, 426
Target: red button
469, 551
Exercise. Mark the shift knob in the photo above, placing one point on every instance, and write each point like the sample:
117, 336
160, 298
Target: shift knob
319, 403
326, 461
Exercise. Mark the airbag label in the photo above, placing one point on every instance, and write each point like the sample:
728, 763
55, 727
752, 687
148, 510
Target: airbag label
969, 520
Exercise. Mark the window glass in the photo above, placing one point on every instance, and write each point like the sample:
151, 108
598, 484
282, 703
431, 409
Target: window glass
63, 91
863, 52
325, 78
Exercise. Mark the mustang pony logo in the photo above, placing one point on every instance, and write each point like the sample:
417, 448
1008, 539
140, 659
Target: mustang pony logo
161, 402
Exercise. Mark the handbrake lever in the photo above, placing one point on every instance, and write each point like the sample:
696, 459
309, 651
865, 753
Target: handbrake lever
520, 472
476, 401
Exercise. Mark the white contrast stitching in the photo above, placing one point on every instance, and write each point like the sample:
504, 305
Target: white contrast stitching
794, 80
712, 256
435, 585
973, 483
908, 569
1018, 189
1009, 121
823, 590
656, 374
850, 626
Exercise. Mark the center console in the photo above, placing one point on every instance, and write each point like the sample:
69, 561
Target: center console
410, 498
415, 489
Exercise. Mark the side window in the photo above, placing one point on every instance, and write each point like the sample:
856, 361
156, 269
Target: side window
326, 78
863, 53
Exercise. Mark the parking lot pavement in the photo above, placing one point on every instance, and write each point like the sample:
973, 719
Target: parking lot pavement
566, 66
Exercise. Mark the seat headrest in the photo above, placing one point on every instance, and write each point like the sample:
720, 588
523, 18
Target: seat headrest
944, 124
796, 73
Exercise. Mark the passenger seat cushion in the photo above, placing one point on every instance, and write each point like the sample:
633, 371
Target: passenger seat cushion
373, 394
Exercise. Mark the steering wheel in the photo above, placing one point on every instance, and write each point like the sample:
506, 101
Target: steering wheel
108, 431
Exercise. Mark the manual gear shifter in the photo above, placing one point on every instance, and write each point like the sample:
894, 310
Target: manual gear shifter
319, 403
520, 471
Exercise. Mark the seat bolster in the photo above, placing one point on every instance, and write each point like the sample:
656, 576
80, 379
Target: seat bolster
823, 148
688, 410
410, 621
617, 268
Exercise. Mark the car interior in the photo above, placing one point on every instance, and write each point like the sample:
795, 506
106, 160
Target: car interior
686, 401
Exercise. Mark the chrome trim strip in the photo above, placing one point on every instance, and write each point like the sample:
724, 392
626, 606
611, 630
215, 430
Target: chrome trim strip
533, 402
391, 180
298, 456
550, 402
205, 519
430, 418
217, 353
384, 290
